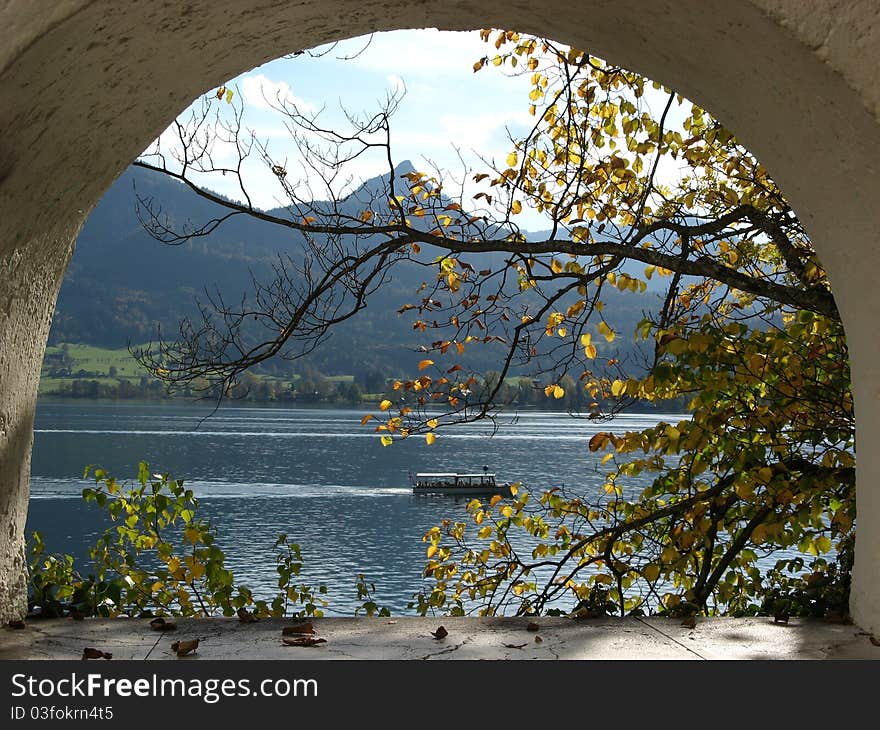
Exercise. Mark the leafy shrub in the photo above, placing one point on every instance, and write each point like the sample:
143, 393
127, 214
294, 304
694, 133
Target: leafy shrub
159, 558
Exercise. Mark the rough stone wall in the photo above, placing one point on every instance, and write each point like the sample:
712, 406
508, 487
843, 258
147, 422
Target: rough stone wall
87, 84
29, 279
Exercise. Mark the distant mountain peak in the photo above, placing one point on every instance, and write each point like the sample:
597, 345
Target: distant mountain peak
404, 168
378, 185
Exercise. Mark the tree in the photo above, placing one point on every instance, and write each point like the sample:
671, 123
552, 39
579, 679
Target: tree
745, 328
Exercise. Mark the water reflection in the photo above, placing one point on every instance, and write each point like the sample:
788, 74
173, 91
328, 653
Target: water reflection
315, 474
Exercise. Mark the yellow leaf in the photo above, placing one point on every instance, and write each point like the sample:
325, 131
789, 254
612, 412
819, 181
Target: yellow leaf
606, 332
192, 535
516, 207
387, 441
511, 159
745, 491
385, 405
431, 551
765, 474
229, 94
432, 423
618, 388
366, 418
425, 364
759, 534
558, 391
195, 567
575, 309
367, 216
555, 266
651, 572
430, 438
586, 339
590, 351
484, 532
495, 500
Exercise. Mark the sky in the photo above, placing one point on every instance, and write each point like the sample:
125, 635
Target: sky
445, 106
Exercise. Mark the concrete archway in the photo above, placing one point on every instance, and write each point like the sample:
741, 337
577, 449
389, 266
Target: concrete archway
88, 83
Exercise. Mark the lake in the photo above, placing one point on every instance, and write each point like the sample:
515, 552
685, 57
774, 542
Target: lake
316, 474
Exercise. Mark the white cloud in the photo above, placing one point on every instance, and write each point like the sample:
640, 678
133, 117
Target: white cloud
427, 49
261, 92
482, 131
269, 131
396, 83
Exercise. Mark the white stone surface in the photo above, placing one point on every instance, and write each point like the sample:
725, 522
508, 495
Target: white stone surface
410, 638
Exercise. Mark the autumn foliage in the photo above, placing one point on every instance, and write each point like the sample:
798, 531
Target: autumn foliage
638, 186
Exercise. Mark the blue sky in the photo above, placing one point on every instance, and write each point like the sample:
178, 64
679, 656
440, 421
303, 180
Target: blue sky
446, 105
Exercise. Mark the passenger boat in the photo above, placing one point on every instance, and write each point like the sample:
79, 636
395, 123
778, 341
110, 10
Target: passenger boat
455, 483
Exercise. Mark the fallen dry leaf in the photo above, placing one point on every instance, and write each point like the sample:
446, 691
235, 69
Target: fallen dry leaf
246, 617
92, 653
689, 622
440, 633
16, 624
538, 639
875, 641
532, 626
307, 628
182, 648
160, 624
302, 640
515, 646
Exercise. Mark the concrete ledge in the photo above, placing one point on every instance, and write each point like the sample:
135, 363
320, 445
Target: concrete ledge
410, 638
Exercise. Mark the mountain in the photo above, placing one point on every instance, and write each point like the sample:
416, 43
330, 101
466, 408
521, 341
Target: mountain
122, 284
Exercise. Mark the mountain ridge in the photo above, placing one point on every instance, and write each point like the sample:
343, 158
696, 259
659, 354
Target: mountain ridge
122, 285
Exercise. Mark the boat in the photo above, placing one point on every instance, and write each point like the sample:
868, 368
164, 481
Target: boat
457, 483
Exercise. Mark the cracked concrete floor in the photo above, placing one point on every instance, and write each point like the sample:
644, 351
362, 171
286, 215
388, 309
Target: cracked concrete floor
410, 638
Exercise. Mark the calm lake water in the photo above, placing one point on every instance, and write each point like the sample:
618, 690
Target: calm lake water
316, 474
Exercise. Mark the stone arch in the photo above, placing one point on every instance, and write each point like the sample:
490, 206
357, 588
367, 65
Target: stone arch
87, 84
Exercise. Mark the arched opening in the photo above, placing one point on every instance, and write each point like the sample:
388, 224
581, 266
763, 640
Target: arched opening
706, 64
